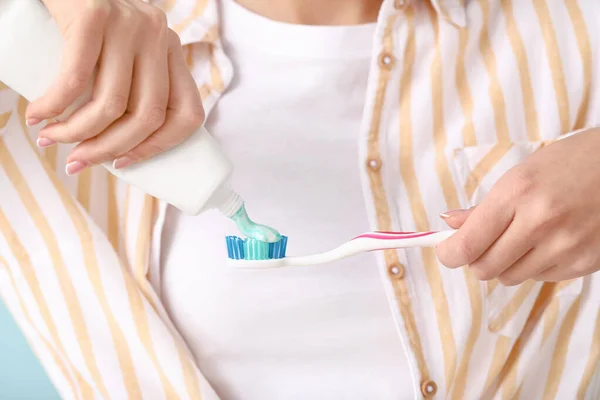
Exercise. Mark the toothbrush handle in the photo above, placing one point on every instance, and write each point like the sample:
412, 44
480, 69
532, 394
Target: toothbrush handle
423, 240
373, 241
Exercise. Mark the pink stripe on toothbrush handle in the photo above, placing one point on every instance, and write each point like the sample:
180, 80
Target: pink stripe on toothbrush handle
393, 235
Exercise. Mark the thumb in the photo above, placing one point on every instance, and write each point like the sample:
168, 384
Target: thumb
456, 218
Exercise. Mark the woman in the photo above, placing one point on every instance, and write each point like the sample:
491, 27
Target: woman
445, 106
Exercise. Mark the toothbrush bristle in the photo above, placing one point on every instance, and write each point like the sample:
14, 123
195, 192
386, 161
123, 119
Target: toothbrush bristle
252, 249
256, 250
277, 249
235, 248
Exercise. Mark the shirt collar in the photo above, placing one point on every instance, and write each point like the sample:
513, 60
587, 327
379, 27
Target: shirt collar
454, 11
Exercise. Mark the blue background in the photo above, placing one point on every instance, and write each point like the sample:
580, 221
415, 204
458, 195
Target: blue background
21, 375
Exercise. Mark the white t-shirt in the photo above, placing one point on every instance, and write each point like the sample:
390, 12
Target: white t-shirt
290, 124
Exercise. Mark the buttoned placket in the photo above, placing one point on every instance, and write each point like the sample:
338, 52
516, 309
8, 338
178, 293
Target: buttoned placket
396, 275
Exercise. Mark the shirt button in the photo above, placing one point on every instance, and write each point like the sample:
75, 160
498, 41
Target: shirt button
397, 271
429, 389
374, 164
386, 60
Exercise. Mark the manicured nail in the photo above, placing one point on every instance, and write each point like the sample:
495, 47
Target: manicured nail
44, 142
122, 162
75, 167
32, 121
448, 214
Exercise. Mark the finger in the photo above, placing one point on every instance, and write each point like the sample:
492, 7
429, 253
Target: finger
532, 263
557, 273
482, 227
184, 113
580, 262
147, 101
83, 43
511, 246
455, 219
111, 92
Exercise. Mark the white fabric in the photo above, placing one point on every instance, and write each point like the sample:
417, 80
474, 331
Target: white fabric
290, 124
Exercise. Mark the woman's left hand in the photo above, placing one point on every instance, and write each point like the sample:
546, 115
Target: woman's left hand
540, 221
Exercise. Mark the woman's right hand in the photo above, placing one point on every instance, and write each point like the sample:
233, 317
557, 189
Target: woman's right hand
144, 99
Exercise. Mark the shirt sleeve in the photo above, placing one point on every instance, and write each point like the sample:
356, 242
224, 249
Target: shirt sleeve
87, 311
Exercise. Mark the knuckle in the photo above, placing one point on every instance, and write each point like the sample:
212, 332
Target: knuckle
53, 110
103, 155
579, 268
192, 118
153, 118
584, 266
78, 81
127, 19
115, 106
137, 153
570, 243
509, 281
466, 249
510, 278
149, 148
483, 272
125, 12
99, 12
63, 134
547, 214
480, 272
69, 136
521, 180
174, 39
549, 205
156, 17
92, 154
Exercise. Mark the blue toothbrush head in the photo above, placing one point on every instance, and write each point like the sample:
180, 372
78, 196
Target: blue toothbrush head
278, 249
235, 247
252, 249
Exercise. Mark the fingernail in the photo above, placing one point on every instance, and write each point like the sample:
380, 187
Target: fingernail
32, 121
44, 142
75, 167
448, 214
122, 162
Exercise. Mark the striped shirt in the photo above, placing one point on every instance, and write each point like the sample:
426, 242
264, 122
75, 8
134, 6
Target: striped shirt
459, 92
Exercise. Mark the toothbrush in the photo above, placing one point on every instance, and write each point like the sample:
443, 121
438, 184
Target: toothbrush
370, 241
